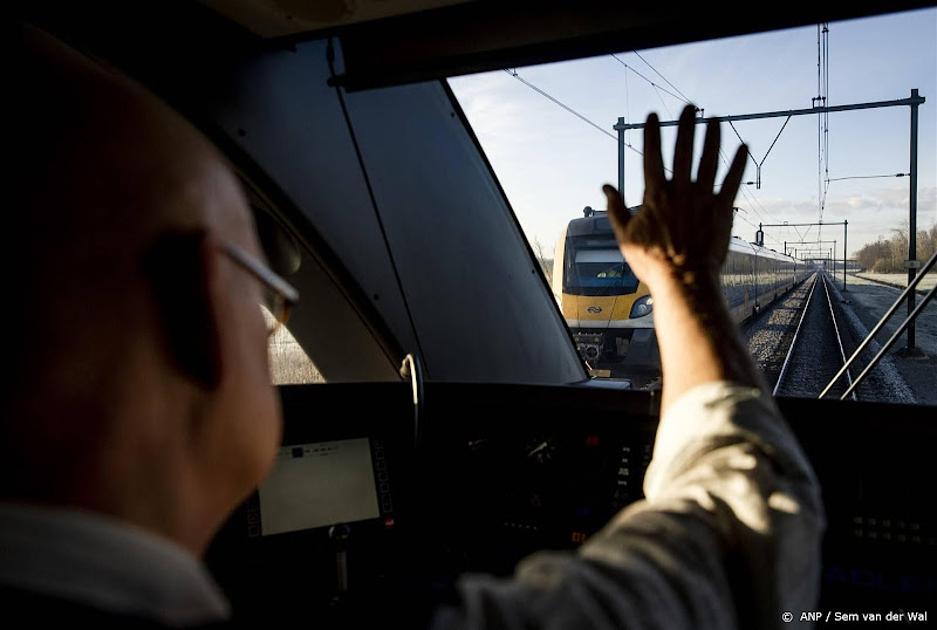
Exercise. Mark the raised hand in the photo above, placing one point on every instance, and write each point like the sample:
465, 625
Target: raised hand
684, 226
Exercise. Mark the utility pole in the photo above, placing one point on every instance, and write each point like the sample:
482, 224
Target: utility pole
845, 249
912, 238
621, 158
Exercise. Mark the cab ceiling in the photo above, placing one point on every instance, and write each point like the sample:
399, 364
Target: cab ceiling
285, 18
388, 42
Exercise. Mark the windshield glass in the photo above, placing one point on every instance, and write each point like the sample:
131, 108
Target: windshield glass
831, 220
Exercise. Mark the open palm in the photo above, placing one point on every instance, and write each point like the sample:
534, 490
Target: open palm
684, 226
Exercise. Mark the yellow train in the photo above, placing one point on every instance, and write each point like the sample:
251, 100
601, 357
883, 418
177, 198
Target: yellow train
610, 312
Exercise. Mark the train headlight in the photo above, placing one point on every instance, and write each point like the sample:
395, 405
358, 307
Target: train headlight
642, 306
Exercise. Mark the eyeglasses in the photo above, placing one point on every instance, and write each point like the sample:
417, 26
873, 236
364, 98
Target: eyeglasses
279, 296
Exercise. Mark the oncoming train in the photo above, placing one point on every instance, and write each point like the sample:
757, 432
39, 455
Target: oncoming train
610, 312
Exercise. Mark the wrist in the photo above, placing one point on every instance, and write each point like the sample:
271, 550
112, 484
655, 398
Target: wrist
693, 284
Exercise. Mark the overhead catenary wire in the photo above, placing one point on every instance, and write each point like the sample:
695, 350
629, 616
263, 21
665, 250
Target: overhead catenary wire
799, 235
627, 100
823, 143
559, 103
653, 84
592, 124
826, 115
663, 102
753, 201
737, 135
757, 163
648, 64
756, 227
751, 198
819, 124
826, 101
747, 221
572, 111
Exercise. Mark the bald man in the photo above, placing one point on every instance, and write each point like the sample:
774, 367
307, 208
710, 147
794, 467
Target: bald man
142, 414
140, 411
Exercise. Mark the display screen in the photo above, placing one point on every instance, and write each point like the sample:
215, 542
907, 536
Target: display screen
317, 485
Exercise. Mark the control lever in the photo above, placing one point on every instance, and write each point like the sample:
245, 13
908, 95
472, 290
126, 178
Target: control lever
340, 535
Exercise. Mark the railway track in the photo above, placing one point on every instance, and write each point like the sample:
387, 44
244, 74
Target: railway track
817, 350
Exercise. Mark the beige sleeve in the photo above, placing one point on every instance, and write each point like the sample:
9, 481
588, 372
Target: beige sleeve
728, 536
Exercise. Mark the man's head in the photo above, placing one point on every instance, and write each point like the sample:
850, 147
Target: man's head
142, 388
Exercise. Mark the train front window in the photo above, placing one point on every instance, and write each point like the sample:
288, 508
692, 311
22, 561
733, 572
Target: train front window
597, 270
821, 236
289, 363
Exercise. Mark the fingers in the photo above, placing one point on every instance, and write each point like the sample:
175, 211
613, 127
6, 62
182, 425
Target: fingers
617, 211
706, 176
683, 153
653, 162
730, 185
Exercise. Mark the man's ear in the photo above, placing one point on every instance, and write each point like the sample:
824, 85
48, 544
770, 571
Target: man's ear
179, 266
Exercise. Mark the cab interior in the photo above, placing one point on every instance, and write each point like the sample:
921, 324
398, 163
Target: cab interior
426, 314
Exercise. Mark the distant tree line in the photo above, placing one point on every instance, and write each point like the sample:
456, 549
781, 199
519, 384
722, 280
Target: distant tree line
546, 264
887, 255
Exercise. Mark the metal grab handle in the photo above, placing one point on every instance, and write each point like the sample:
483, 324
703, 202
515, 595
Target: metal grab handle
881, 323
412, 369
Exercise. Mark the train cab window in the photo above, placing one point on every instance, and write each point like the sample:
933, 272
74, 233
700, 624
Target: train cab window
289, 363
824, 110
598, 271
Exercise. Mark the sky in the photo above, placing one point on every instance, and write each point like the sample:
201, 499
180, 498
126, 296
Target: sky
552, 164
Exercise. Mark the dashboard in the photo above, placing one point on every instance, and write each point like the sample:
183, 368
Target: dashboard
364, 516
368, 512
